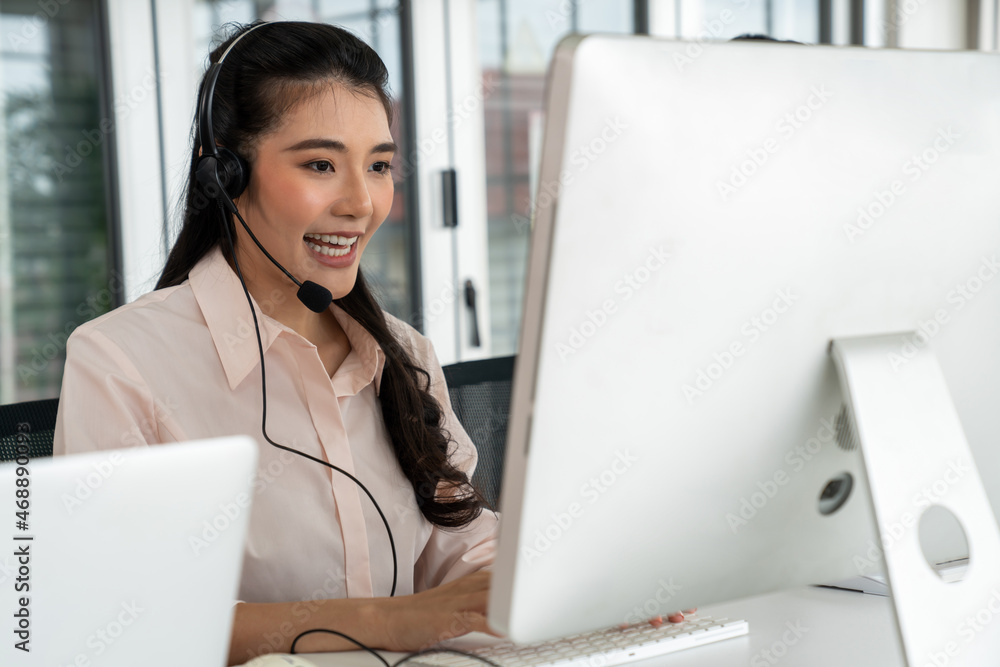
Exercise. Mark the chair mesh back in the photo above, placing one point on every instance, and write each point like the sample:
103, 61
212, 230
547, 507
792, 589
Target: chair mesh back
32, 423
480, 396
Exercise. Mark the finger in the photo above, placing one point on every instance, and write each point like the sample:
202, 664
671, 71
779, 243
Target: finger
477, 581
692, 610
676, 618
472, 621
494, 633
476, 600
454, 625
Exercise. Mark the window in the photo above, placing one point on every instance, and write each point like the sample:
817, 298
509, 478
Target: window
517, 39
57, 257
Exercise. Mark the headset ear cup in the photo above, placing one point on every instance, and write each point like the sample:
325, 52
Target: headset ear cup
207, 173
233, 172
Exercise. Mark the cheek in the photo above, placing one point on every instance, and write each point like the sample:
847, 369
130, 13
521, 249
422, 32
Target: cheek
291, 197
382, 199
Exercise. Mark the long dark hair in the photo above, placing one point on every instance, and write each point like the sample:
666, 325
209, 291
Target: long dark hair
268, 73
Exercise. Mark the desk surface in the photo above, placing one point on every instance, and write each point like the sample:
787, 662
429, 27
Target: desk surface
807, 627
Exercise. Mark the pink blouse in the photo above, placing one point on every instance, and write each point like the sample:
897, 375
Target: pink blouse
181, 364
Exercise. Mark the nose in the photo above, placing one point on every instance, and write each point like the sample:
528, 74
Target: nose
353, 198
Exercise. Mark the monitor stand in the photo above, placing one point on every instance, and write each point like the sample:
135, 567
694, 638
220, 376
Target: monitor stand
911, 437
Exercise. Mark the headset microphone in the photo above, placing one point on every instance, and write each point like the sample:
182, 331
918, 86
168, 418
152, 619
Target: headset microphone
316, 297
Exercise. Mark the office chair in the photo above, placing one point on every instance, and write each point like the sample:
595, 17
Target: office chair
37, 420
480, 396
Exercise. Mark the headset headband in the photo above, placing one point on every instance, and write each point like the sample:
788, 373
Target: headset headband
206, 134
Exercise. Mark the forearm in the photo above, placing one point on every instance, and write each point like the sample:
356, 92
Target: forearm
270, 628
404, 623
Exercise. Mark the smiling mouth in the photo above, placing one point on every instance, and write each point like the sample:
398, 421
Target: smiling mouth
330, 245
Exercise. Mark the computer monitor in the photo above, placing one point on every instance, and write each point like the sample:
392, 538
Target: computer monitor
709, 217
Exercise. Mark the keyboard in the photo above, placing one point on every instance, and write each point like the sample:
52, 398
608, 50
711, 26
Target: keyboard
614, 646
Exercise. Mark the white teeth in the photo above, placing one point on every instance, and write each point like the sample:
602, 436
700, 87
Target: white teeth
333, 238
328, 251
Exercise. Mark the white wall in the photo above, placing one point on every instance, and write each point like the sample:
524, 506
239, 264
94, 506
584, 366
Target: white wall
134, 78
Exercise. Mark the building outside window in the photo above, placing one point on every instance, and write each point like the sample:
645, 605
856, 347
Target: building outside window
57, 251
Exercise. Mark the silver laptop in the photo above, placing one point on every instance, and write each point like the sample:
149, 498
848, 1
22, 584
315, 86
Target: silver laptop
125, 557
707, 221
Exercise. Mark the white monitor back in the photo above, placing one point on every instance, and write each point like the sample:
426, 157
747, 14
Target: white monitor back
134, 554
707, 221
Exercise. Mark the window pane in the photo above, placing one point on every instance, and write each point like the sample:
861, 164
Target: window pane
55, 264
796, 19
516, 41
724, 19
386, 260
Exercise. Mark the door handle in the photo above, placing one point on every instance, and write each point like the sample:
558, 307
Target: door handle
470, 303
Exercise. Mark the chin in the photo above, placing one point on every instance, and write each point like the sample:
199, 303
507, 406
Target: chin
339, 289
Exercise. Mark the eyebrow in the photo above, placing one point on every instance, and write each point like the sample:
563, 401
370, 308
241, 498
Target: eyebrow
334, 145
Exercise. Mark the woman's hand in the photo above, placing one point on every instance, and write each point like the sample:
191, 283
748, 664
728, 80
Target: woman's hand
418, 621
675, 617
406, 623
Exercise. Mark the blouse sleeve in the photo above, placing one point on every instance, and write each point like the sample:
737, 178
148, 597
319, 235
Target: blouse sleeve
104, 402
451, 553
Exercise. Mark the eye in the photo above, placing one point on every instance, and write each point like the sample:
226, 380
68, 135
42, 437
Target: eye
381, 168
322, 166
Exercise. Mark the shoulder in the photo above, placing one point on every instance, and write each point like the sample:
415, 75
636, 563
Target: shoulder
158, 315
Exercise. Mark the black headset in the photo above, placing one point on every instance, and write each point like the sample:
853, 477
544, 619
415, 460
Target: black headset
219, 170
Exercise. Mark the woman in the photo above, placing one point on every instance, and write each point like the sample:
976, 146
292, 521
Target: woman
306, 106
